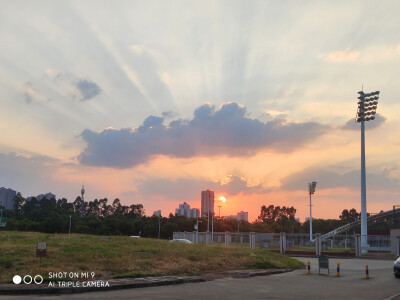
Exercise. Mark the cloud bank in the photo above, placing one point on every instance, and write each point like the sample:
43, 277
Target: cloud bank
223, 131
190, 188
328, 180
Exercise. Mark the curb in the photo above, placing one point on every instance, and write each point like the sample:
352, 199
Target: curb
117, 284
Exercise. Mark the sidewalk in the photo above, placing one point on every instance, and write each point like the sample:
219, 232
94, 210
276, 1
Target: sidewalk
128, 283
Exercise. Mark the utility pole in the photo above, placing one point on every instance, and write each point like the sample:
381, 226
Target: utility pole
197, 230
159, 226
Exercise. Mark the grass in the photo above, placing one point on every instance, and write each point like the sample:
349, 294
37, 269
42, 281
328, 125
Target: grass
124, 257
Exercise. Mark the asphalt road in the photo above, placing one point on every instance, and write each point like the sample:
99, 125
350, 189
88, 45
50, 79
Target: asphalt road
293, 285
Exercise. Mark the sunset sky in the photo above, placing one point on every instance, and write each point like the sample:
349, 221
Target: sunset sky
154, 101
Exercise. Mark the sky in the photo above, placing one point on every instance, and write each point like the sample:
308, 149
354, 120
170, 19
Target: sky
152, 102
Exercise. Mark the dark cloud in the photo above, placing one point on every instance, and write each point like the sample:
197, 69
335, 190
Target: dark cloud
328, 179
88, 89
352, 125
26, 172
191, 188
223, 131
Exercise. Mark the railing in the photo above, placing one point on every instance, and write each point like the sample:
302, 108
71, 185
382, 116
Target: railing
357, 223
272, 241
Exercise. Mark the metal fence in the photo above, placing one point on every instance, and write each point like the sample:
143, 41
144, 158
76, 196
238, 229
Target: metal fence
377, 243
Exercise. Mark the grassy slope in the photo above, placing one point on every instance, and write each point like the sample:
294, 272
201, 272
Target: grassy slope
121, 256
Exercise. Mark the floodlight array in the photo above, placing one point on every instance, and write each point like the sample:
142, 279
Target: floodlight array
311, 187
367, 104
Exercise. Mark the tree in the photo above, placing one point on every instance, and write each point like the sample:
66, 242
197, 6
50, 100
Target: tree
273, 214
267, 214
349, 216
278, 218
19, 203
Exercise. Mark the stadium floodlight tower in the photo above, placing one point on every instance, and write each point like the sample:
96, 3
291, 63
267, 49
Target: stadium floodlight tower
311, 190
366, 111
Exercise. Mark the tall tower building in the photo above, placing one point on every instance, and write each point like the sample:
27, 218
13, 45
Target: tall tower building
207, 203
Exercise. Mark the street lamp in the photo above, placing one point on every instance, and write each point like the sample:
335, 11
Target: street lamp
197, 230
237, 240
311, 190
366, 111
69, 224
159, 226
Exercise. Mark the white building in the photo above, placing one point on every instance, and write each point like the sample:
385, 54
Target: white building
157, 213
7, 198
184, 210
41, 196
241, 216
195, 213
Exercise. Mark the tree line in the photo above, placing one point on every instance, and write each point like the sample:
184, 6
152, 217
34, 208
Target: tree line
102, 217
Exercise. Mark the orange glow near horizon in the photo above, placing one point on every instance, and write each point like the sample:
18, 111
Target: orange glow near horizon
222, 199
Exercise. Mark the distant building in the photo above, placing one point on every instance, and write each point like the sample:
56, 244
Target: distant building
157, 213
7, 198
42, 196
195, 213
207, 203
241, 216
184, 210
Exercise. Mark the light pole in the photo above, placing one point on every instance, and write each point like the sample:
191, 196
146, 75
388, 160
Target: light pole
197, 230
159, 225
237, 241
311, 190
219, 211
69, 224
366, 111
208, 220
212, 227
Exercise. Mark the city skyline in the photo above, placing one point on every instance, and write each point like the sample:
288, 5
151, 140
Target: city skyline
154, 102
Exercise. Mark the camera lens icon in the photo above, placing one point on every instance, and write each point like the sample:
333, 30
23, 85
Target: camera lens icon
38, 279
17, 279
28, 279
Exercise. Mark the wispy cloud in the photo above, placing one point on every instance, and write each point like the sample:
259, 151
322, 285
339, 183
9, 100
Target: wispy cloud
347, 55
190, 188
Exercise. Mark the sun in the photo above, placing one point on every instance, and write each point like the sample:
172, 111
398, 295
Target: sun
222, 199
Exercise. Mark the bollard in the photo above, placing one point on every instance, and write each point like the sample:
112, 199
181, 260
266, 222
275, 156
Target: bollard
308, 268
338, 270
366, 272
